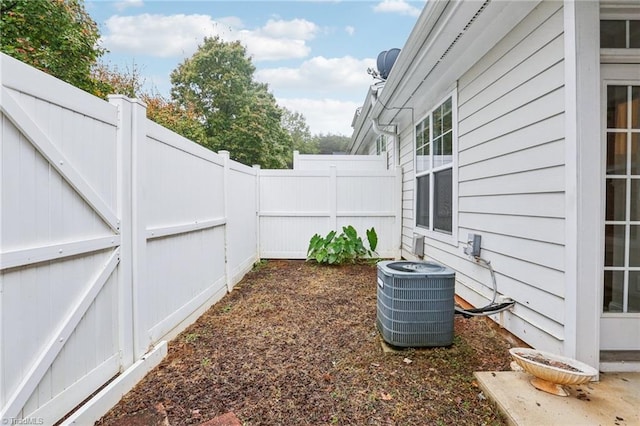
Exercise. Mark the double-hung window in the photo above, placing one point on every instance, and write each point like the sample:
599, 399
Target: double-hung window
435, 144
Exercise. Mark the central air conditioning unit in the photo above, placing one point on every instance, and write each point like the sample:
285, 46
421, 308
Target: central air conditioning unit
415, 303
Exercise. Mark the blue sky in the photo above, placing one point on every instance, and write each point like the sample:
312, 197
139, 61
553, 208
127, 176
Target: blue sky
313, 55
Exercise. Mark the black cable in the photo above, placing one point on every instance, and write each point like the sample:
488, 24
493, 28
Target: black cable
486, 311
492, 307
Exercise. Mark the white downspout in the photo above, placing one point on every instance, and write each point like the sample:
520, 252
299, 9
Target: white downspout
398, 169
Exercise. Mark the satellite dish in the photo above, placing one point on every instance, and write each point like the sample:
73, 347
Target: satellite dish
386, 59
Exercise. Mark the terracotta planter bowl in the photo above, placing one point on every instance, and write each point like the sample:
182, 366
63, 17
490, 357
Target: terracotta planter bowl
552, 371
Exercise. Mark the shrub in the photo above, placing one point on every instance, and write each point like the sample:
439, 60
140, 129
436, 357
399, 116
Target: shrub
337, 249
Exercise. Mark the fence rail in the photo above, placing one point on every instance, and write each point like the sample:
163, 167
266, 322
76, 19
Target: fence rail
116, 233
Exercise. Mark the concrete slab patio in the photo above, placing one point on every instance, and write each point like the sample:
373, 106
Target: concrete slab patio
614, 400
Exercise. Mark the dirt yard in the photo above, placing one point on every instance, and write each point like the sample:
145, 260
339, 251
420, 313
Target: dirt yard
295, 343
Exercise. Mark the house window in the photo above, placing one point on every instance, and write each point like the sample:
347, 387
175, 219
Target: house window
381, 144
434, 169
619, 34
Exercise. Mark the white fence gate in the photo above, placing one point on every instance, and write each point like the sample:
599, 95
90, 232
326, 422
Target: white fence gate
62, 274
117, 233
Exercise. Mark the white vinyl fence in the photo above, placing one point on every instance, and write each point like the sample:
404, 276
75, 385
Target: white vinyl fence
116, 233
341, 162
296, 204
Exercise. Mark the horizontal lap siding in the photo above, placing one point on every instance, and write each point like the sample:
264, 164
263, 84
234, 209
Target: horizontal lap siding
408, 183
510, 177
511, 172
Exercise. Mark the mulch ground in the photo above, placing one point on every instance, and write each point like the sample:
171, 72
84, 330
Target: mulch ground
295, 343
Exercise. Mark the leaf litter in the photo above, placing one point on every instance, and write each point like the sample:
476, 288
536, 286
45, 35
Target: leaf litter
296, 343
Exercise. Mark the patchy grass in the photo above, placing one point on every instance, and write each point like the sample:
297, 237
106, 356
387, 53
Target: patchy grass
296, 343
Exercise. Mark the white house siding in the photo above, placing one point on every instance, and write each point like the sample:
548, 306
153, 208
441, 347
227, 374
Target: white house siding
511, 177
408, 183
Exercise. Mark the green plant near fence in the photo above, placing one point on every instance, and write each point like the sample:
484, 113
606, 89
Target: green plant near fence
335, 249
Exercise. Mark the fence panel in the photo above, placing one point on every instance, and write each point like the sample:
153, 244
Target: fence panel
183, 249
242, 223
60, 242
296, 204
366, 200
293, 206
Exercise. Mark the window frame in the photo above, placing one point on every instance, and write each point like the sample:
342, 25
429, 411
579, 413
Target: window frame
430, 232
613, 12
381, 144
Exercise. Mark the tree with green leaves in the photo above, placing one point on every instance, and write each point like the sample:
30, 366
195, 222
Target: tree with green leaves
183, 121
55, 36
296, 125
128, 82
331, 144
111, 80
239, 114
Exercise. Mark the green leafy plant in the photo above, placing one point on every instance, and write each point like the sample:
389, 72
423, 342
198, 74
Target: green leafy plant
336, 249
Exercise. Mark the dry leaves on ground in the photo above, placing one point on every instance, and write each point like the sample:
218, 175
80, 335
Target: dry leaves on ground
296, 344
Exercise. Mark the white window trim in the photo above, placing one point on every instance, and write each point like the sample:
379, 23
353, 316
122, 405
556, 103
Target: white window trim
452, 238
626, 222
614, 11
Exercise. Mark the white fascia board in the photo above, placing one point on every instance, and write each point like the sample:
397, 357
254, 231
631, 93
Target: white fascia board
362, 123
416, 65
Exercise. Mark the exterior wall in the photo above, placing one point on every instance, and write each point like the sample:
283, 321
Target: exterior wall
407, 159
510, 178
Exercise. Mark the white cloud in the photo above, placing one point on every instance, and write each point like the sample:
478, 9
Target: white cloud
324, 76
158, 35
320, 74
124, 4
269, 49
324, 115
279, 39
180, 35
350, 30
397, 6
299, 29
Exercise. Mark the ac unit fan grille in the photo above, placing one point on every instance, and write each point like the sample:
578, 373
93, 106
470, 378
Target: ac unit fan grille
415, 310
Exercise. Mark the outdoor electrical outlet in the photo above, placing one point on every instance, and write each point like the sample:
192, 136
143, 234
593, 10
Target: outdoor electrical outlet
473, 245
